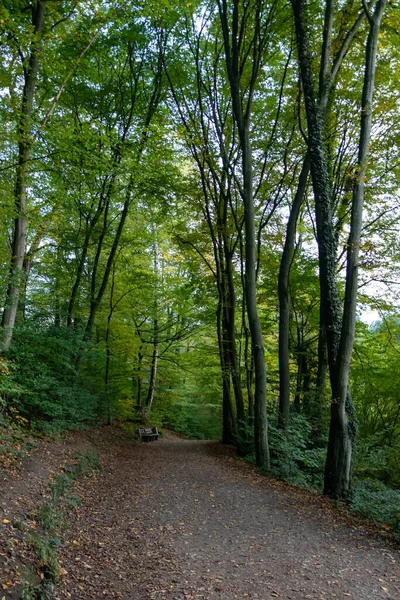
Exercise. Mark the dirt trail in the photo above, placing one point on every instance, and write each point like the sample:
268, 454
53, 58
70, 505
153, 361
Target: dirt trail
182, 519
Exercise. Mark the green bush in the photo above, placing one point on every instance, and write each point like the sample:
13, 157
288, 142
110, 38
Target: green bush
202, 421
376, 460
292, 457
376, 501
44, 383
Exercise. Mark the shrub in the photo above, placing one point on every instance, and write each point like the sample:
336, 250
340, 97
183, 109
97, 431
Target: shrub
44, 383
292, 458
376, 501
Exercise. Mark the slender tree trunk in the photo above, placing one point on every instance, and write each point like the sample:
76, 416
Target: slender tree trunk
284, 298
248, 356
260, 394
230, 304
153, 368
248, 362
338, 462
338, 465
97, 297
233, 41
228, 418
139, 379
108, 352
24, 153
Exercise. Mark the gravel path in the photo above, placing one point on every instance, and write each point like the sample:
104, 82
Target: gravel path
182, 519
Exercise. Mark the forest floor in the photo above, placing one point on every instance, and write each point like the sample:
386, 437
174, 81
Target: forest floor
181, 519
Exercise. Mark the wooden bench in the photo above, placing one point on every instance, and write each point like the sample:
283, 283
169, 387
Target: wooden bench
148, 435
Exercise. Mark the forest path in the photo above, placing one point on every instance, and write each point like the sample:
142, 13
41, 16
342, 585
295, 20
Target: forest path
181, 519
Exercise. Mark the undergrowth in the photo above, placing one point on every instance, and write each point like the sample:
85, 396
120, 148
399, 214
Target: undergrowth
297, 458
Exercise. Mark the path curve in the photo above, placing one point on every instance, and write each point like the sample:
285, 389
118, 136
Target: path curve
181, 519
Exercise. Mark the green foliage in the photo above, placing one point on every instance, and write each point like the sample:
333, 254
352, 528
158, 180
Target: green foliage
45, 378
49, 514
377, 460
375, 385
98, 137
293, 458
376, 501
202, 421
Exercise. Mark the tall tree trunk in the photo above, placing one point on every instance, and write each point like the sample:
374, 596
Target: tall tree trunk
230, 308
153, 368
248, 356
338, 462
24, 153
284, 298
330, 303
233, 41
338, 465
327, 79
228, 417
108, 352
98, 296
139, 379
260, 372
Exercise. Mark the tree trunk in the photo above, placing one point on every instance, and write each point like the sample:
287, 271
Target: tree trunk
228, 418
248, 364
153, 369
24, 153
233, 41
139, 380
230, 308
284, 298
330, 304
260, 394
338, 465
338, 462
327, 80
97, 297
108, 352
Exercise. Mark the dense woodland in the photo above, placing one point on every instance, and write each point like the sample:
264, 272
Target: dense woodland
200, 228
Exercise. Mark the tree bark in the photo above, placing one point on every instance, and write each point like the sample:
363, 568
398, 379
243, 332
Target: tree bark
327, 79
338, 465
108, 352
24, 153
338, 462
97, 297
284, 297
228, 416
232, 46
230, 308
153, 369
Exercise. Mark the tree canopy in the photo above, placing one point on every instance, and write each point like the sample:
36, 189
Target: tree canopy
200, 225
